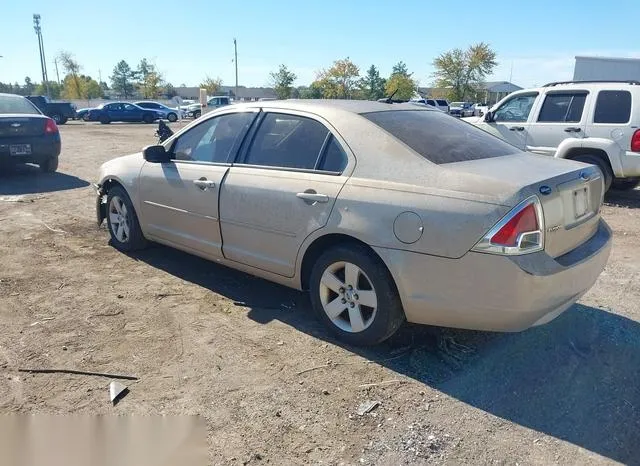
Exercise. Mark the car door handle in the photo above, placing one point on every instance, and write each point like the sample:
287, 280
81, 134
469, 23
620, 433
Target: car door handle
572, 130
204, 184
516, 128
313, 197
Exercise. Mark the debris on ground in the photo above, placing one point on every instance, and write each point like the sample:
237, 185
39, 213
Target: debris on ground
117, 391
367, 407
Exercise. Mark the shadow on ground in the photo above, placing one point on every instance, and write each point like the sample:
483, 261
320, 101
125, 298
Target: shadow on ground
576, 379
623, 198
28, 179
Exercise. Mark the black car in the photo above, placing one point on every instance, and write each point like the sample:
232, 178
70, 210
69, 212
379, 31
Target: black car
60, 112
122, 111
26, 135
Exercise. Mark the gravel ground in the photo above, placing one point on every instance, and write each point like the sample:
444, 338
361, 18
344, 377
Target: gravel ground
273, 386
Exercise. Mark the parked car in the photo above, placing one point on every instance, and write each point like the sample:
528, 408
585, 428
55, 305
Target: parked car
440, 104
122, 111
83, 113
26, 135
374, 244
461, 109
480, 109
592, 122
60, 112
195, 110
168, 113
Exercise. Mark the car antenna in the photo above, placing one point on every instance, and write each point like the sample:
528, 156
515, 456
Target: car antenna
388, 100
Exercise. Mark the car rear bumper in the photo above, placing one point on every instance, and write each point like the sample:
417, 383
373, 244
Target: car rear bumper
42, 149
631, 164
492, 292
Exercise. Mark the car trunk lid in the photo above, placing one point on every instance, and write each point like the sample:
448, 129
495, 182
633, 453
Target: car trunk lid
20, 125
570, 193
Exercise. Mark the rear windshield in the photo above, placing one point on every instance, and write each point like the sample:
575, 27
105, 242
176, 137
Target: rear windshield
439, 137
16, 104
442, 102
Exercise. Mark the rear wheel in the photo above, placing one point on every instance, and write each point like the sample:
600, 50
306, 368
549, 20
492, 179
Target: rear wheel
122, 221
50, 165
147, 118
355, 296
603, 165
625, 184
172, 117
57, 118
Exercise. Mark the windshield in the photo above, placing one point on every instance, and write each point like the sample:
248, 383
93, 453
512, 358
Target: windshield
439, 137
457, 104
16, 104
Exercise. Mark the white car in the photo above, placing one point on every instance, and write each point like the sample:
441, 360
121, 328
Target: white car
590, 121
440, 104
171, 114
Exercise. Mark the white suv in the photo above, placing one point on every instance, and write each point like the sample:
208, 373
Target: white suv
594, 122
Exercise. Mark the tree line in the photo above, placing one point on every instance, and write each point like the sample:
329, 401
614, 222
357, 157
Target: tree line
459, 75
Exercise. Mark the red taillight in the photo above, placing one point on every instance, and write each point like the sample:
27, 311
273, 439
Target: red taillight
50, 127
635, 141
524, 221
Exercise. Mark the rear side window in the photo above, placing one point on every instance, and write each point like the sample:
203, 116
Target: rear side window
439, 137
17, 104
442, 102
613, 107
566, 107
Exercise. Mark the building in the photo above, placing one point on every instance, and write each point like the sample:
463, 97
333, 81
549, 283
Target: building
490, 93
606, 69
245, 94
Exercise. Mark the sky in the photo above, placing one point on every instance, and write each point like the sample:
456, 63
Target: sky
535, 41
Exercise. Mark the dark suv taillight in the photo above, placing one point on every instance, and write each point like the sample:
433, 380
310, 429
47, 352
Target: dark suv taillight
635, 141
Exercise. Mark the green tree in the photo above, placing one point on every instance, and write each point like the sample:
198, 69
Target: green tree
211, 85
122, 79
170, 91
314, 91
339, 81
72, 82
55, 90
372, 85
464, 71
400, 83
29, 87
282, 81
91, 89
150, 80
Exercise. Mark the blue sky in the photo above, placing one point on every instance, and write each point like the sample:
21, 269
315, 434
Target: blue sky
191, 39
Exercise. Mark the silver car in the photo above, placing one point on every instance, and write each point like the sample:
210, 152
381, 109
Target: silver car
385, 213
168, 113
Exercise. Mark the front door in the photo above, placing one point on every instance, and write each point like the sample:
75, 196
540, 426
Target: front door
131, 113
180, 198
560, 117
511, 119
283, 189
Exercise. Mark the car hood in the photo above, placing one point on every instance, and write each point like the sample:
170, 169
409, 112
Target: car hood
124, 169
474, 120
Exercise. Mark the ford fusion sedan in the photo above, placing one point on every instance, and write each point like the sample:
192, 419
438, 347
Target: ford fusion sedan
26, 135
385, 213
121, 111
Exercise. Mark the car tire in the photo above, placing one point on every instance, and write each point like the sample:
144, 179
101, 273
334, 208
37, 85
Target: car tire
63, 121
50, 165
599, 162
625, 184
172, 117
85, 117
197, 114
122, 221
57, 118
147, 118
105, 120
342, 279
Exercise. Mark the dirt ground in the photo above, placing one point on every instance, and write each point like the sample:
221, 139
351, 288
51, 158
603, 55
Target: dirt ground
273, 386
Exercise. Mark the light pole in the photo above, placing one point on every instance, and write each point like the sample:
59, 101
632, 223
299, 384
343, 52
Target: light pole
235, 48
43, 63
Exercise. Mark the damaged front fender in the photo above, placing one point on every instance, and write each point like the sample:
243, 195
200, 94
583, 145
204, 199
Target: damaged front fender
101, 204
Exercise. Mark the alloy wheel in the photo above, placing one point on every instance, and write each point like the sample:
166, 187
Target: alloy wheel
119, 219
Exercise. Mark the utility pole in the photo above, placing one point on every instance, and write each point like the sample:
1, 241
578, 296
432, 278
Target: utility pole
235, 48
43, 63
511, 73
100, 77
55, 60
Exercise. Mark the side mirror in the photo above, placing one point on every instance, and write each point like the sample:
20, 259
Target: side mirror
156, 154
489, 117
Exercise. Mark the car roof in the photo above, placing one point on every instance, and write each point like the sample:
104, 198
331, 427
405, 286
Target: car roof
324, 107
596, 85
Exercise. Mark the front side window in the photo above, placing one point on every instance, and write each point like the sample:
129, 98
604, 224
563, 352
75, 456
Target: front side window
287, 141
214, 139
613, 107
129, 108
562, 107
516, 109
439, 138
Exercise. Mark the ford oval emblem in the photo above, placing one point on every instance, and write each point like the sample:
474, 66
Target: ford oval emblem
545, 190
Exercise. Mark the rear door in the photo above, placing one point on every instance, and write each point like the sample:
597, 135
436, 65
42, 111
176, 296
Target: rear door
113, 111
180, 198
281, 190
511, 119
561, 116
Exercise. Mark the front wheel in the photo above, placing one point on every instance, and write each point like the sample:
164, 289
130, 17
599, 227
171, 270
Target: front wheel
355, 296
197, 114
172, 117
124, 228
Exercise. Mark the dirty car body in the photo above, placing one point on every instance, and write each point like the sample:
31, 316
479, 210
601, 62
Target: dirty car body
383, 212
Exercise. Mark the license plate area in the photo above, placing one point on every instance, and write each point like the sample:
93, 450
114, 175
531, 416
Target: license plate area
580, 202
20, 149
